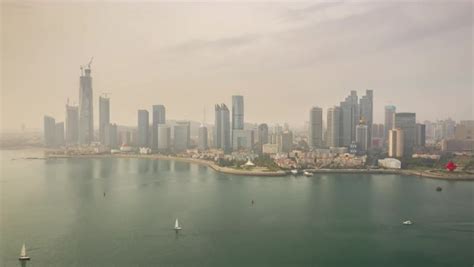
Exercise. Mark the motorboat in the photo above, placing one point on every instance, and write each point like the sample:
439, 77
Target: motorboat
294, 171
408, 222
307, 173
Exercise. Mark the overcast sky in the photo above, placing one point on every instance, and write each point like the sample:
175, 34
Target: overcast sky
284, 58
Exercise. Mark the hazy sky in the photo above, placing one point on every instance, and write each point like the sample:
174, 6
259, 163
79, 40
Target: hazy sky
283, 57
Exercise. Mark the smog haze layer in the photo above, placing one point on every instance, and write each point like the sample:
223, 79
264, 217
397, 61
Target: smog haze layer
283, 57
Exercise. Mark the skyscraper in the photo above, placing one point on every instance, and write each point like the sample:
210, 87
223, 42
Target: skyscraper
242, 139
389, 113
143, 128
222, 128
159, 117
285, 141
110, 135
186, 124
366, 113
315, 135
86, 114
420, 135
362, 136
333, 127
239, 135
396, 140
164, 137
104, 117
202, 138
349, 119
49, 131
263, 133
237, 112
59, 134
407, 123
181, 135
262, 137
72, 124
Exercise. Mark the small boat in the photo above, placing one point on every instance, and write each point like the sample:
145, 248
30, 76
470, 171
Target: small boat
307, 173
294, 171
439, 189
23, 256
408, 222
176, 226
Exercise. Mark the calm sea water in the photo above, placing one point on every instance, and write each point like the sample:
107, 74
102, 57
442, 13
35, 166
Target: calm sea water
58, 208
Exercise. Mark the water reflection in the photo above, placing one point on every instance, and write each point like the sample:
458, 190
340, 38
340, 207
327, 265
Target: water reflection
165, 165
182, 166
143, 166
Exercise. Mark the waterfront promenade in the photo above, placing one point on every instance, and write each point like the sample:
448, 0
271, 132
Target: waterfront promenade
259, 171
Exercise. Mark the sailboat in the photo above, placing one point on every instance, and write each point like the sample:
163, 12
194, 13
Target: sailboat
23, 256
176, 225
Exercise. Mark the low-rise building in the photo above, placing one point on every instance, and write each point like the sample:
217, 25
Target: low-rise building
390, 163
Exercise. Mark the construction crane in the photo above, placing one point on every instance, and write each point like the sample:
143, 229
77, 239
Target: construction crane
90, 62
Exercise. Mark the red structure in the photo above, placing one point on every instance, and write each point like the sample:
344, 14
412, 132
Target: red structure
451, 166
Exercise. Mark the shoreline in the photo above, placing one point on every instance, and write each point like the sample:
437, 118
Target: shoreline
420, 173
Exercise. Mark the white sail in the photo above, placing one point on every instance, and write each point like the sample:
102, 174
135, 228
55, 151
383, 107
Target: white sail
23, 251
176, 224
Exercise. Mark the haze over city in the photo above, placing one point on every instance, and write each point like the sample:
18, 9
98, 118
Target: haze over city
284, 58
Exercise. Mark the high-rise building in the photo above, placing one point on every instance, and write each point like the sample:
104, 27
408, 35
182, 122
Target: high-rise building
444, 129
181, 135
159, 117
238, 134
429, 129
187, 124
362, 137
110, 135
349, 119
407, 123
366, 107
222, 128
262, 133
389, 113
262, 137
242, 139
396, 143
104, 117
143, 128
464, 130
237, 112
285, 141
420, 135
277, 129
378, 131
59, 134
86, 111
202, 138
72, 124
333, 127
49, 131
164, 138
315, 135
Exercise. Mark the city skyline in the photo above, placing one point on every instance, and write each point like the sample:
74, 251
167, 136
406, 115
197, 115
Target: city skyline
220, 59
